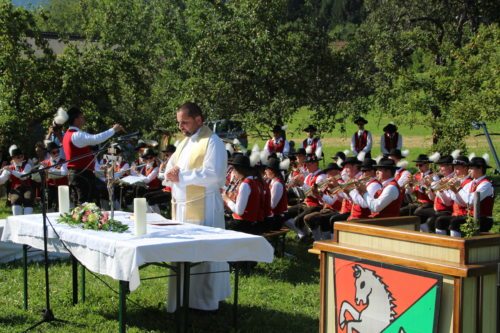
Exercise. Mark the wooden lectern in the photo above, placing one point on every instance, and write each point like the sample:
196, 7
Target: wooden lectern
396, 280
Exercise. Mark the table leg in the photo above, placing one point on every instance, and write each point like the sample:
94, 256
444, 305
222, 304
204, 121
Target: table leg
25, 277
235, 303
82, 270
178, 305
74, 278
185, 294
122, 314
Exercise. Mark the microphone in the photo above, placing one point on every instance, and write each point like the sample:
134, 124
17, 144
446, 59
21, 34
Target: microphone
130, 136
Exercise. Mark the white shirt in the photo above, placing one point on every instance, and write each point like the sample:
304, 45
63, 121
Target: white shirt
55, 172
83, 139
244, 192
388, 195
465, 198
371, 189
277, 191
405, 175
384, 150
318, 144
149, 178
368, 146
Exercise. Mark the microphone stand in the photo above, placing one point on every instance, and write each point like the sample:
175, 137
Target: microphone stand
47, 314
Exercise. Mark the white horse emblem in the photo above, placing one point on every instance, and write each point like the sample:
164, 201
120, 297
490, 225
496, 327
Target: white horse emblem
372, 292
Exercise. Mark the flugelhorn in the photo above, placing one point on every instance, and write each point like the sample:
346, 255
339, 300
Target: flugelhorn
349, 184
450, 184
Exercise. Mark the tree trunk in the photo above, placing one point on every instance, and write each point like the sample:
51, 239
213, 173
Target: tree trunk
436, 129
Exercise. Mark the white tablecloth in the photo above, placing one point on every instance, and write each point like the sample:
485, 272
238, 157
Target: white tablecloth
120, 255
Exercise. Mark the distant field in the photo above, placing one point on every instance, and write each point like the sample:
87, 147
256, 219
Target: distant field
417, 139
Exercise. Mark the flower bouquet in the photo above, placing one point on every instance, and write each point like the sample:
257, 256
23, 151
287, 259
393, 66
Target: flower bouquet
90, 216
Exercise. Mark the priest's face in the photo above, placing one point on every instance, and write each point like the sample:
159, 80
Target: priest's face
188, 125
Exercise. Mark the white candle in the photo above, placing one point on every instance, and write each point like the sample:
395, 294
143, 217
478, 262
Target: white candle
63, 193
140, 210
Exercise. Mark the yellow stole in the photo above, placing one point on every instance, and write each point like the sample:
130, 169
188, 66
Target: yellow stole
195, 195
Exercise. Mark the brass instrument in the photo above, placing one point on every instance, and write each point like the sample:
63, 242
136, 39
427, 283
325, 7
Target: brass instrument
439, 185
450, 184
410, 182
232, 188
329, 181
295, 180
349, 184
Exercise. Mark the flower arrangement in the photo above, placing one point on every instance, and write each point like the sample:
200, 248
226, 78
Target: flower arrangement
90, 216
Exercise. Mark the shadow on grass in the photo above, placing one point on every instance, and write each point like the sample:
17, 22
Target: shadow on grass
250, 319
298, 266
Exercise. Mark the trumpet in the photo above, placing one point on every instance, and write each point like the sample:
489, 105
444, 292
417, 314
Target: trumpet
348, 185
438, 185
449, 184
295, 180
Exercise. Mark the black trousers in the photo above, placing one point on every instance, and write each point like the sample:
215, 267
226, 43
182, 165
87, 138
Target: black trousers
320, 219
335, 218
243, 226
52, 198
21, 196
82, 184
485, 223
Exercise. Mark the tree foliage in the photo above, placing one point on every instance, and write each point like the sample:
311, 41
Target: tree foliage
422, 57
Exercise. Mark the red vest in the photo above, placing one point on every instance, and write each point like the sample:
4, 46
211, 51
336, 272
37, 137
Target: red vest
16, 182
265, 201
252, 209
458, 210
282, 205
358, 212
360, 141
391, 209
314, 144
71, 151
155, 183
311, 201
485, 206
58, 181
422, 197
391, 141
439, 205
276, 147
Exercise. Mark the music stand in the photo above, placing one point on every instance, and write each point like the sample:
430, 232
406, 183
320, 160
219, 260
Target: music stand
47, 314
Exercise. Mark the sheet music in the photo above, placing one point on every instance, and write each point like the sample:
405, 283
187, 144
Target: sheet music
131, 180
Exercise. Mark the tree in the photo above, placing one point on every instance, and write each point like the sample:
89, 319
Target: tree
28, 80
407, 55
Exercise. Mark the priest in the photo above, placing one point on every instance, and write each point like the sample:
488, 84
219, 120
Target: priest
197, 172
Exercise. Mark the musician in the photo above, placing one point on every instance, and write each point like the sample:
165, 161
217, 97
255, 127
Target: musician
402, 175
418, 186
278, 197
352, 166
361, 141
77, 143
319, 222
312, 142
387, 201
391, 139
312, 201
197, 172
20, 192
360, 208
442, 202
56, 135
479, 184
296, 176
161, 196
277, 144
459, 207
57, 175
40, 155
339, 158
